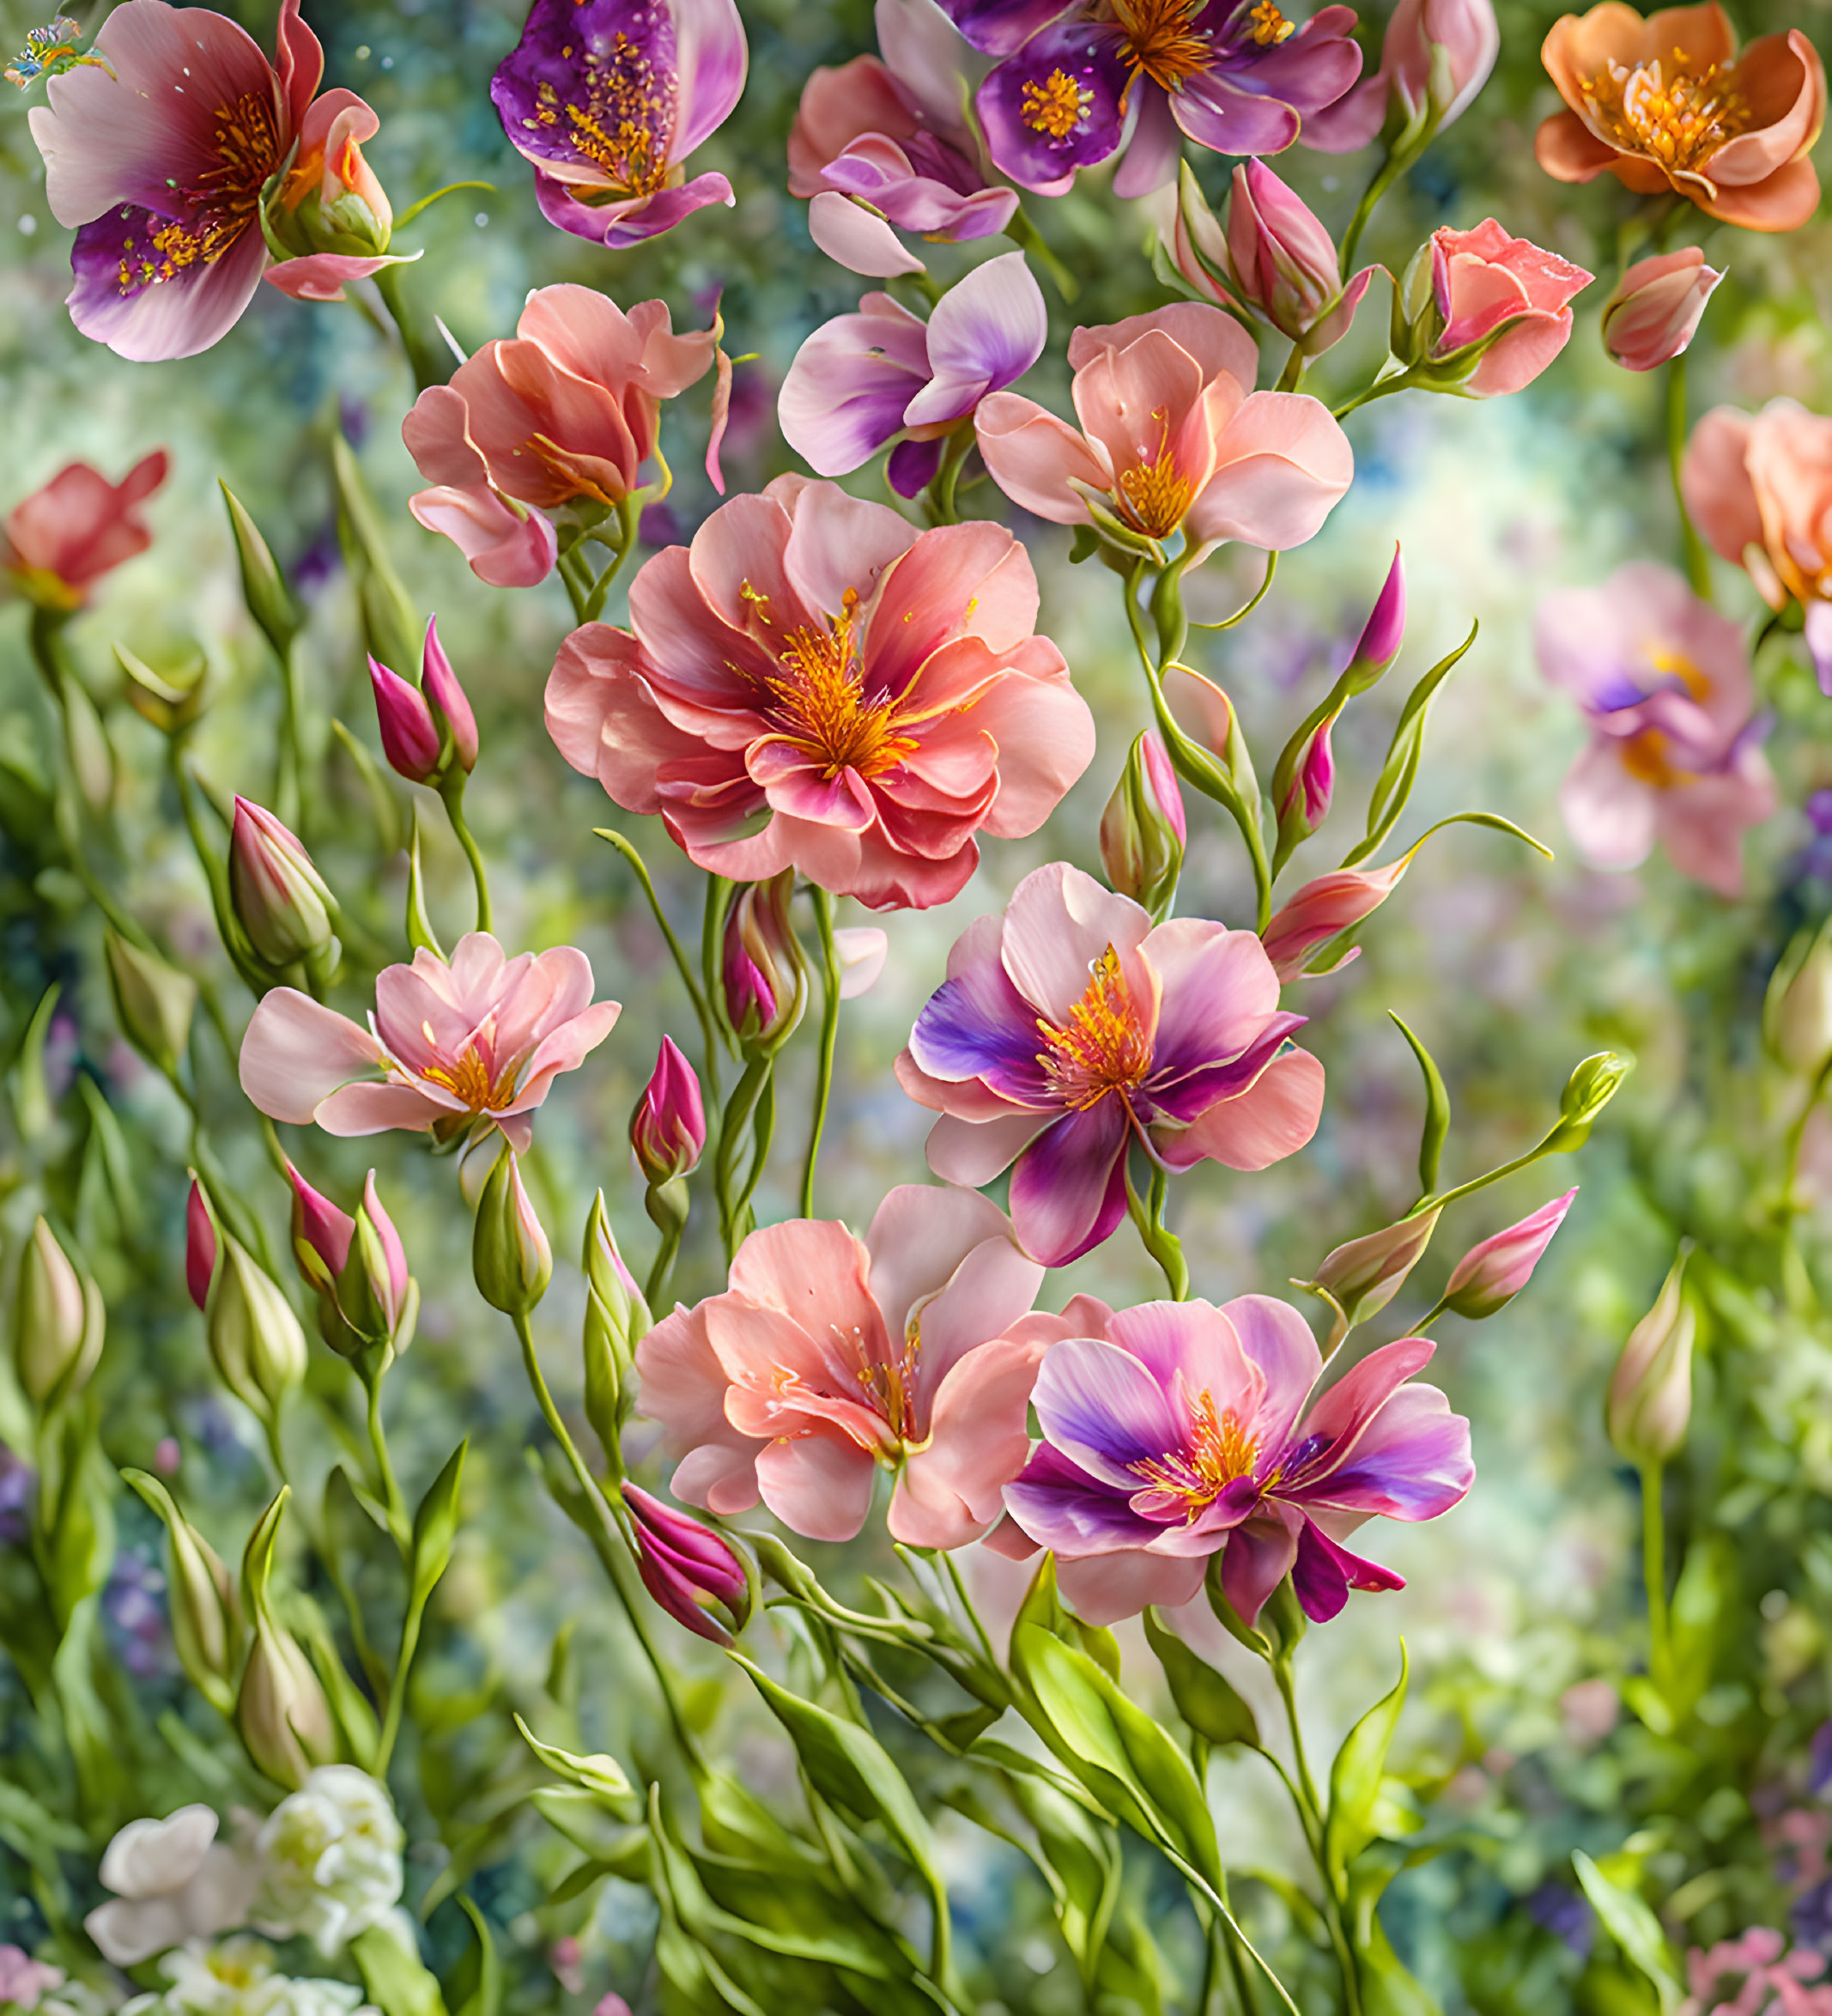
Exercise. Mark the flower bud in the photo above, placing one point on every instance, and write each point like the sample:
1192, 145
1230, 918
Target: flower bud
1199, 246
1650, 1399
389, 1296
509, 1253
59, 1320
1284, 263
668, 1128
206, 1613
1324, 908
409, 736
451, 710
1364, 1275
263, 587
1590, 1088
170, 698
1383, 633
1489, 1276
200, 1245
617, 1321
154, 1001
689, 1569
330, 200
1654, 312
1796, 1017
765, 979
1143, 829
1305, 802
281, 1711
281, 899
254, 1338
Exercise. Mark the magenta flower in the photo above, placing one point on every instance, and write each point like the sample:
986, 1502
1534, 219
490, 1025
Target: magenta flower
607, 97
450, 1049
830, 1356
862, 380
668, 1128
1077, 84
688, 1568
1182, 1430
415, 722
1070, 1027
1674, 756
1489, 1276
200, 1245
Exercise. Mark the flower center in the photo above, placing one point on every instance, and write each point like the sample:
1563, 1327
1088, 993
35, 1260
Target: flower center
1101, 1048
891, 1387
1156, 494
1220, 1449
468, 1079
1267, 26
1674, 665
221, 205
1056, 106
1645, 757
1678, 115
1161, 41
819, 701
626, 121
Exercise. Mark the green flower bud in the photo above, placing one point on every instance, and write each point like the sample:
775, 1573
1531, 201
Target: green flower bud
281, 1713
1650, 1401
1796, 1017
254, 1338
616, 1320
1143, 829
206, 1611
59, 1320
509, 1255
170, 697
154, 1001
1589, 1089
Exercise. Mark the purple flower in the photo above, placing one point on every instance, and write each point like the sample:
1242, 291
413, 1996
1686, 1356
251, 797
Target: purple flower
607, 97
1075, 85
1566, 1915
862, 380
1187, 1431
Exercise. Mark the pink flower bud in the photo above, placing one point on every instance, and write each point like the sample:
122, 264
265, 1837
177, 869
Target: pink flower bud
1489, 1276
200, 1245
450, 707
280, 899
410, 734
1324, 907
1385, 631
321, 1233
1654, 312
1145, 827
1285, 264
688, 1569
1313, 784
1364, 1275
1503, 309
668, 1128
764, 978
377, 1247
509, 1255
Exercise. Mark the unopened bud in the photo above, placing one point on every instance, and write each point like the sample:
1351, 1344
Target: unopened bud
1143, 829
509, 1255
668, 1128
1489, 1276
1650, 1400
254, 1338
154, 1001
689, 1569
169, 695
1657, 306
59, 1320
410, 737
1385, 631
1284, 263
450, 708
765, 979
264, 589
1589, 1089
200, 1245
281, 899
281, 1711
1796, 1017
617, 1321
206, 1613
1324, 909
1364, 1275
1304, 803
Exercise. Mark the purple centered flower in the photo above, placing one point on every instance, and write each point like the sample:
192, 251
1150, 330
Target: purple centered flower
1187, 1430
607, 97
1077, 84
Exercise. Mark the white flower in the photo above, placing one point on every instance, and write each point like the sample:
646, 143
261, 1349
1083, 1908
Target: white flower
236, 1978
331, 1860
171, 1881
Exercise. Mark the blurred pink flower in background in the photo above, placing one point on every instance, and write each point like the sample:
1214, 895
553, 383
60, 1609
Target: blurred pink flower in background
73, 530
1466, 30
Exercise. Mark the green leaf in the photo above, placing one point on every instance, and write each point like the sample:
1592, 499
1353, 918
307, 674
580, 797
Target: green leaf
32, 1102
1355, 1777
1393, 786
475, 1989
393, 1978
602, 1777
582, 1817
277, 615
1387, 1988
435, 1526
1431, 1135
420, 932
1630, 1921
1206, 1698
384, 803
390, 624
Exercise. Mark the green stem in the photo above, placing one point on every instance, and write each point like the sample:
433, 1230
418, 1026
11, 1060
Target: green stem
1310, 1810
621, 548
452, 793
940, 502
1293, 375
1653, 1571
1698, 562
740, 1109
288, 763
431, 363
1389, 172
1252, 601
1399, 382
400, 1524
576, 577
397, 1686
1162, 1244
663, 1265
1022, 232
823, 1084
702, 1010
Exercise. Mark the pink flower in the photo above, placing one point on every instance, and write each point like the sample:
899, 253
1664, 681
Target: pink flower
415, 722
23, 1980
1173, 435
830, 1356
1467, 32
1070, 1027
331, 215
76, 528
689, 1569
1324, 908
564, 413
1665, 683
813, 684
1654, 312
1489, 1276
1507, 295
161, 158
668, 1128
449, 1049
1283, 261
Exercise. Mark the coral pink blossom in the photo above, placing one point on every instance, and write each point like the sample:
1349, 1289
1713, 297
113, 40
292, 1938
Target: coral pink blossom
1505, 292
1654, 312
1173, 435
76, 528
160, 157
1071, 1029
830, 1356
1665, 684
332, 212
564, 413
814, 684
450, 1049
1324, 909
1471, 37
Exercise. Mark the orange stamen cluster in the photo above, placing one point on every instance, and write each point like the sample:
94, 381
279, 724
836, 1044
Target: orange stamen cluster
1678, 113
1161, 39
1055, 106
1267, 26
220, 207
891, 1387
468, 1079
1156, 496
1220, 1449
626, 121
1101, 1048
818, 700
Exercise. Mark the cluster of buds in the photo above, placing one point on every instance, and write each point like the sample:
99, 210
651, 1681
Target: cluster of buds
509, 1255
617, 1321
255, 1340
1650, 1399
1143, 829
765, 976
693, 1573
357, 1268
429, 731
59, 1321
284, 905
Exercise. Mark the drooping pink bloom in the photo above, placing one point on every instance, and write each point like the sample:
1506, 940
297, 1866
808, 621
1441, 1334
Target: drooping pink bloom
1506, 293
1467, 31
1173, 435
863, 380
688, 1568
1654, 312
828, 1356
1071, 1027
160, 159
875, 696
1324, 909
1675, 755
1179, 1431
891, 134
668, 1128
451, 1049
564, 412
607, 98
1489, 1275
200, 1245
76, 528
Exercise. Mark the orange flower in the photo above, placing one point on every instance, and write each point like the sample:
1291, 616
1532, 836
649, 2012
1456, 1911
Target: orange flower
1667, 103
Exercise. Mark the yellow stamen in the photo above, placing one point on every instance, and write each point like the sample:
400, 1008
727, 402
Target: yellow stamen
1267, 26
820, 706
1678, 114
1056, 106
1101, 1048
1156, 495
1219, 1450
1162, 41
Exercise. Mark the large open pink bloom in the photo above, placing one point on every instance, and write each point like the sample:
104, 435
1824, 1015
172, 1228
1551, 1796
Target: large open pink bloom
71, 530
814, 683
828, 1356
1181, 1429
161, 159
450, 1049
1070, 1027
563, 413
1665, 684
1173, 435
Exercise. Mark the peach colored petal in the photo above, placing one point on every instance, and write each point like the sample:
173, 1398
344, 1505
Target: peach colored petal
1035, 457
1280, 467
296, 1053
950, 1492
1782, 202
1272, 1120
1569, 152
818, 1484
1719, 498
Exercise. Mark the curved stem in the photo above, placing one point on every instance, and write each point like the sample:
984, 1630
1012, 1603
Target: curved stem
451, 792
1252, 601
1399, 382
1162, 1244
1310, 1810
430, 362
577, 578
823, 1084
1698, 562
1293, 375
1384, 177
1022, 232
940, 502
702, 1011
740, 1109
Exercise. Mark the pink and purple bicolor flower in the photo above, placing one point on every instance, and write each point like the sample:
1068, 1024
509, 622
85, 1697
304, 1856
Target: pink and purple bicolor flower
1075, 85
607, 97
1186, 1431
